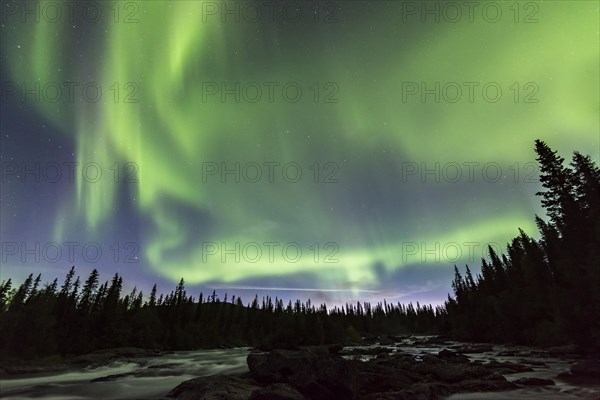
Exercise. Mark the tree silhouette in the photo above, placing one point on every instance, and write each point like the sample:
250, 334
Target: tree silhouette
540, 291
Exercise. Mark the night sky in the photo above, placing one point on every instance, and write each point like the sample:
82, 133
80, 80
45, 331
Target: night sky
334, 151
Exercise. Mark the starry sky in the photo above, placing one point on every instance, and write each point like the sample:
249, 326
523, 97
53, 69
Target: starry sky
338, 151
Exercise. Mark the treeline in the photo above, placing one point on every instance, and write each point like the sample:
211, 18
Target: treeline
544, 291
75, 319
541, 291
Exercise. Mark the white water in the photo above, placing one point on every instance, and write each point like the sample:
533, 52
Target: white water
145, 378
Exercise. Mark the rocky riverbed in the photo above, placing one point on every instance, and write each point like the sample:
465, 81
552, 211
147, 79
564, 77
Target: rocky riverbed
386, 373
382, 368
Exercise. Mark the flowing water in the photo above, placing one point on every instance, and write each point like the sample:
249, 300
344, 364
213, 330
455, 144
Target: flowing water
154, 377
143, 378
543, 367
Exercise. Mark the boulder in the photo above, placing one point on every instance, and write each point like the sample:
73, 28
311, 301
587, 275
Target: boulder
586, 368
217, 387
450, 373
314, 372
431, 359
447, 354
277, 391
278, 365
507, 367
490, 385
335, 348
426, 391
535, 382
453, 373
472, 349
453, 356
565, 375
108, 378
386, 341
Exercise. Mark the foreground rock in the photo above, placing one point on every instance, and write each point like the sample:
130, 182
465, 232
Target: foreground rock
472, 348
317, 373
218, 387
314, 372
277, 391
586, 371
535, 382
587, 368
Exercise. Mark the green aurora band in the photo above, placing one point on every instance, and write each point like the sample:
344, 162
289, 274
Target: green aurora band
369, 53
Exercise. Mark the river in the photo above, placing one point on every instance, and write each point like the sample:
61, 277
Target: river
141, 378
154, 377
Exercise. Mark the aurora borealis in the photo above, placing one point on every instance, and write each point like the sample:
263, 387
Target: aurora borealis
361, 98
